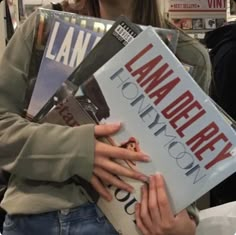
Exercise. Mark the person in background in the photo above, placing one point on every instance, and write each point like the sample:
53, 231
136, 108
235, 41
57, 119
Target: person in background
41, 198
222, 45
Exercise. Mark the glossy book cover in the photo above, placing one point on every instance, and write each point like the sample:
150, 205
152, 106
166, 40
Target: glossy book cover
67, 45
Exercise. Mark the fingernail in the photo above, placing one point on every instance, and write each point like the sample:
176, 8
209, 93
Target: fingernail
143, 178
158, 176
146, 158
116, 124
143, 188
130, 189
151, 180
109, 198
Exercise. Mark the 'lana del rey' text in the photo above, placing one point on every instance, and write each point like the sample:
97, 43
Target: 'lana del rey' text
155, 80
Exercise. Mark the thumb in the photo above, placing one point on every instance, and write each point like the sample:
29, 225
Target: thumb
106, 129
183, 215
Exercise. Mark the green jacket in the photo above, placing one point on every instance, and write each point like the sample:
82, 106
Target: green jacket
195, 56
37, 154
42, 157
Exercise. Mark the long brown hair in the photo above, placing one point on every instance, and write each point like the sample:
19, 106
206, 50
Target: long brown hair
145, 12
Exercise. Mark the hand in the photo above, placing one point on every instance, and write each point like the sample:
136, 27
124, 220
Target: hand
105, 168
154, 215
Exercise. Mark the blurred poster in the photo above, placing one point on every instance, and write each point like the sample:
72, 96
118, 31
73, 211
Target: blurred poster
210, 23
197, 5
198, 23
232, 7
220, 22
183, 23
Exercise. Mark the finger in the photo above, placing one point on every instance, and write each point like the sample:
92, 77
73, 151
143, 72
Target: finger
106, 129
139, 222
111, 179
114, 152
100, 188
163, 201
153, 201
145, 216
117, 169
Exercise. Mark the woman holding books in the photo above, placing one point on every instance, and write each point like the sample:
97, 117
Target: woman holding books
42, 196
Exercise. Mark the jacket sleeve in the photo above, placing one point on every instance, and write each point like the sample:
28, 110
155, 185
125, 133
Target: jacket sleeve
192, 53
193, 212
30, 150
202, 72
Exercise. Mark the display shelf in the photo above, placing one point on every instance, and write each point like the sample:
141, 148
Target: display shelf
196, 17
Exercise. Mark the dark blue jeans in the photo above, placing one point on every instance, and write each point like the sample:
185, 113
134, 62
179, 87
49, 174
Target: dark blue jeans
84, 220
